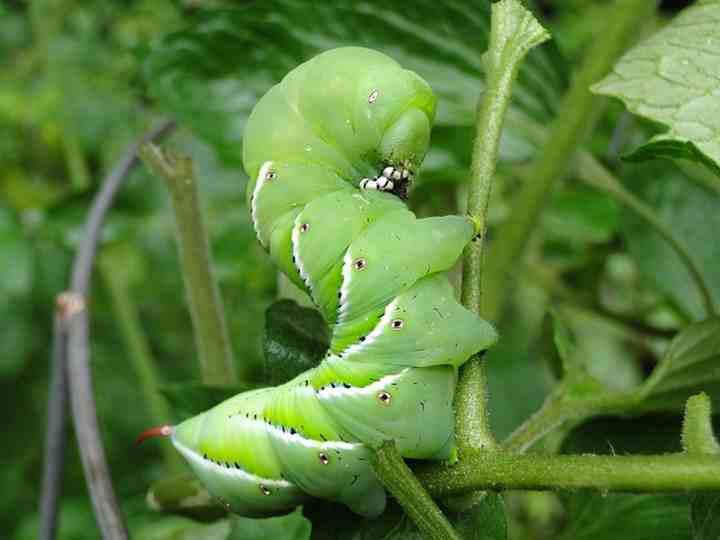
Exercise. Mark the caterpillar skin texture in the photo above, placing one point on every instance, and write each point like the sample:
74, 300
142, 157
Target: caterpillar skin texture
329, 152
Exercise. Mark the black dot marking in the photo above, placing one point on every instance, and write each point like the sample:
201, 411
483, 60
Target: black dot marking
362, 338
293, 258
332, 385
323, 437
205, 456
304, 227
339, 294
264, 490
384, 397
346, 385
254, 416
397, 324
360, 264
323, 458
422, 405
237, 465
292, 431
270, 175
307, 383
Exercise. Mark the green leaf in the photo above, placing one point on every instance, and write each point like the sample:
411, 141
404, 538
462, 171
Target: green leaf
16, 258
672, 78
580, 215
705, 511
596, 516
334, 521
290, 527
18, 335
178, 528
210, 75
600, 516
484, 521
295, 340
189, 399
183, 494
693, 212
671, 149
690, 364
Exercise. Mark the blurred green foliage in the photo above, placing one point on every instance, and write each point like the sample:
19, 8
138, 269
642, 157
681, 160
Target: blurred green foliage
82, 79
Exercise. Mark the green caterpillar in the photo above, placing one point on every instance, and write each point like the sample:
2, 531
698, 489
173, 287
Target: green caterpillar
330, 151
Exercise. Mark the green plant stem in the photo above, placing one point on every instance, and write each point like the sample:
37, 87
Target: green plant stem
513, 33
401, 482
697, 430
211, 335
575, 119
594, 174
139, 353
637, 474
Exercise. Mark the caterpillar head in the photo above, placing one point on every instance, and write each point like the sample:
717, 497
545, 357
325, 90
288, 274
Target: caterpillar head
347, 114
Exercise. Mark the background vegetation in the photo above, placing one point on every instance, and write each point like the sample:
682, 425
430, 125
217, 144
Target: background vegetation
82, 80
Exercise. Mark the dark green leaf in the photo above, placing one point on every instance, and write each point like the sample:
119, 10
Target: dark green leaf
672, 78
580, 215
211, 74
484, 521
290, 527
672, 149
705, 508
16, 258
178, 528
693, 212
183, 494
295, 340
597, 516
690, 364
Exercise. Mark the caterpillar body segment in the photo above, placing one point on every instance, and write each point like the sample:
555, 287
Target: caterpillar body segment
330, 151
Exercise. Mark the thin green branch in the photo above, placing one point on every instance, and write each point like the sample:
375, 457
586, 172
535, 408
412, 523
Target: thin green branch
138, 352
211, 334
594, 174
577, 115
513, 33
401, 482
637, 474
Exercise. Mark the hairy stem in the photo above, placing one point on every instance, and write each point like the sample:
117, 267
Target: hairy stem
211, 334
564, 136
401, 482
514, 31
594, 174
637, 474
